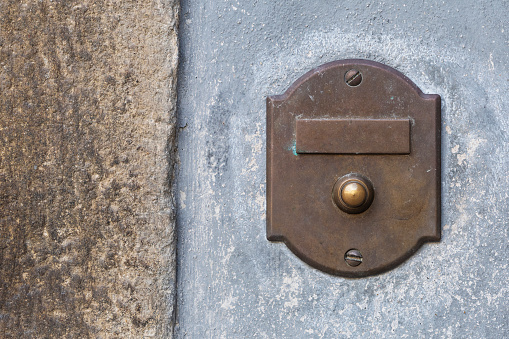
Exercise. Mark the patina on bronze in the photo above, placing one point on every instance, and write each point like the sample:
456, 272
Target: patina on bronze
353, 165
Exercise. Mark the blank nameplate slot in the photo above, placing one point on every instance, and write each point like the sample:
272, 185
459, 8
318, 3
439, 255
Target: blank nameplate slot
353, 136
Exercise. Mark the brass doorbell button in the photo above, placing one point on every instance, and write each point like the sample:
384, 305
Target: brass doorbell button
353, 193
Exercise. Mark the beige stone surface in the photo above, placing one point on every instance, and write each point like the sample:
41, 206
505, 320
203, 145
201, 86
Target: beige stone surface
87, 132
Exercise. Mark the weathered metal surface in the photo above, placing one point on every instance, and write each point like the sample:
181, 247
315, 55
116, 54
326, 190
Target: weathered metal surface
300, 208
353, 136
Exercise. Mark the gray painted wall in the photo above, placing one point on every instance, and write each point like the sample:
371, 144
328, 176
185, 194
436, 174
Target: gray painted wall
232, 282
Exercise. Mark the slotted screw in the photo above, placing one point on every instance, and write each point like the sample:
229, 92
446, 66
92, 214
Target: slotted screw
353, 78
353, 257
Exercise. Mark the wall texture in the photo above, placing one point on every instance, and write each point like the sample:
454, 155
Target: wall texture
87, 110
233, 283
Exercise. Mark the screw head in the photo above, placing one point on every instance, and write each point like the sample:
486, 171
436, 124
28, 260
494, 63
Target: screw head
353, 257
353, 78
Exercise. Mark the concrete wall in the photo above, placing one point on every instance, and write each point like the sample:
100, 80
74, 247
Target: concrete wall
87, 117
233, 283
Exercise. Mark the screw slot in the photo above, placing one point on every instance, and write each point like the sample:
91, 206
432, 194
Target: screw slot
353, 257
353, 78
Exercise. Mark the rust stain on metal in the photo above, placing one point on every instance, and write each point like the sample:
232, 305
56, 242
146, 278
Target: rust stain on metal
384, 129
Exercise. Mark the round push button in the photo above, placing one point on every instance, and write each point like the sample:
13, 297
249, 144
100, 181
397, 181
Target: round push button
353, 193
